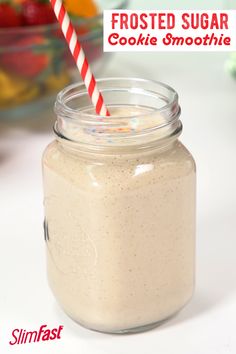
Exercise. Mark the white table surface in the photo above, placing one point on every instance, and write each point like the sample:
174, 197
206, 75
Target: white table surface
208, 324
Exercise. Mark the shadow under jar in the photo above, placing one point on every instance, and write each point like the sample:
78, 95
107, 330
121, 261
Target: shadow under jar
120, 207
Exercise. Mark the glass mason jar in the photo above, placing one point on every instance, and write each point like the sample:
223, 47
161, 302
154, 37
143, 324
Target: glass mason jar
120, 207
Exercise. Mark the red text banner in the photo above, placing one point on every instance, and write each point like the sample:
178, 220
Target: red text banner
165, 30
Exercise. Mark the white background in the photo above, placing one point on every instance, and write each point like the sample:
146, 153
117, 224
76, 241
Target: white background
207, 324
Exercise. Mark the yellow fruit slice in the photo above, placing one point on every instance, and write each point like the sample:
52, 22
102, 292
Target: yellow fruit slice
11, 86
27, 96
57, 82
82, 8
15, 90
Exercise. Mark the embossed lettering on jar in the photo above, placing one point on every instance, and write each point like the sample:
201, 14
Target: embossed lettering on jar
120, 207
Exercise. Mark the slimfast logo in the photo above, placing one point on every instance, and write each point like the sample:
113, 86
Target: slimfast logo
43, 334
128, 30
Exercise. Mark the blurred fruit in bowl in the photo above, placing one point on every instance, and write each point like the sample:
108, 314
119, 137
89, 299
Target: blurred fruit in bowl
54, 81
9, 16
35, 62
82, 8
32, 61
15, 88
38, 12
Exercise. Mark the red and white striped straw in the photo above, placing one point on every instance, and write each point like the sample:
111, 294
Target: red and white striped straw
79, 57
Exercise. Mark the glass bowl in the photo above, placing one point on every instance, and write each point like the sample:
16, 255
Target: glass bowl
35, 62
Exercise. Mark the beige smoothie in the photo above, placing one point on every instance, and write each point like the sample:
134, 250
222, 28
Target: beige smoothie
120, 233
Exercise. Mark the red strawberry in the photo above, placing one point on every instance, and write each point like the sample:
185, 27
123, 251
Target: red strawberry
27, 62
37, 12
9, 17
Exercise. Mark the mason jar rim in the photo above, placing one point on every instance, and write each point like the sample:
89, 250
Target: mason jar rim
152, 116
63, 97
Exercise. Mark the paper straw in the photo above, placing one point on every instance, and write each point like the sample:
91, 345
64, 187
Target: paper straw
79, 57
